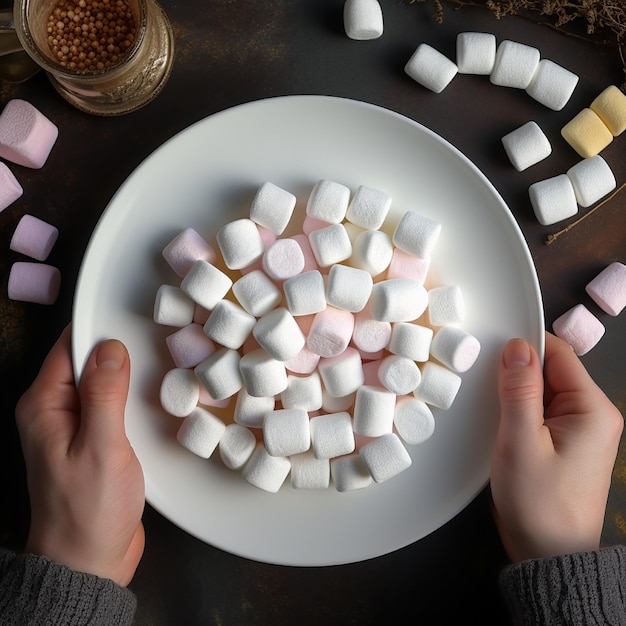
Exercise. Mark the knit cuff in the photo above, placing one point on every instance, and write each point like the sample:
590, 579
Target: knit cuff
35, 589
581, 588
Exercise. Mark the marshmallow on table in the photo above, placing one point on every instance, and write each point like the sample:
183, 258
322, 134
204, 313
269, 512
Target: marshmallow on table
332, 435
385, 457
372, 251
265, 471
256, 293
330, 245
330, 332
328, 202
411, 340
34, 238
308, 472
236, 446
416, 234
398, 300
179, 392
438, 387
205, 284
272, 207
219, 373
592, 179
278, 334
229, 325
26, 135
399, 374
10, 189
404, 265
303, 392
455, 348
475, 53
587, 134
200, 432
552, 85
526, 146
342, 374
580, 328
250, 410
515, 65
38, 283
446, 305
172, 307
240, 243
305, 293
553, 199
185, 249
413, 420
368, 208
348, 288
373, 411
610, 107
608, 288
363, 19
283, 259
189, 346
286, 432
370, 335
349, 473
262, 375
430, 68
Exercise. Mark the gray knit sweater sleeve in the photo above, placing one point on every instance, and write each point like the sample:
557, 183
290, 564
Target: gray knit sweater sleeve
37, 591
586, 589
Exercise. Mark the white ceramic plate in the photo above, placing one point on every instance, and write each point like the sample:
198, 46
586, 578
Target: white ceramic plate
206, 176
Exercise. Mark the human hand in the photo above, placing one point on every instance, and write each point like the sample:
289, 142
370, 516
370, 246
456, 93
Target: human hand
85, 482
554, 453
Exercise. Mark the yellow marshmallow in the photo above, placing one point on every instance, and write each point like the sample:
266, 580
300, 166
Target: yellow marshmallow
587, 134
610, 107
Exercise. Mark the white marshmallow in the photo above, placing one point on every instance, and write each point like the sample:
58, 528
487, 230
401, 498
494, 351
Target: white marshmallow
309, 258
526, 146
250, 410
372, 251
455, 348
185, 249
305, 294
240, 243
475, 53
286, 432
328, 202
307, 472
179, 392
552, 85
330, 245
373, 411
580, 328
229, 325
439, 386
262, 375
330, 332
304, 362
608, 288
330, 404
348, 288
200, 432
342, 374
172, 307
332, 435
283, 259
370, 335
592, 179
236, 446
411, 340
349, 473
219, 373
430, 68
553, 199
266, 472
368, 208
405, 265
303, 392
189, 345
256, 293
416, 234
278, 334
413, 420
272, 207
399, 374
446, 305
205, 284
363, 19
385, 457
398, 300
515, 64
34, 237
10, 188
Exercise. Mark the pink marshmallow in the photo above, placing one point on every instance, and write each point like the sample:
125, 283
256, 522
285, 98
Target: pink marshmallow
26, 135
330, 332
304, 362
580, 328
34, 282
608, 288
189, 346
309, 258
404, 265
34, 238
185, 249
267, 236
309, 224
370, 374
10, 189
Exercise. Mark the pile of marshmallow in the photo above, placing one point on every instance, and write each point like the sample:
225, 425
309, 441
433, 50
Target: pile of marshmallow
329, 345
26, 139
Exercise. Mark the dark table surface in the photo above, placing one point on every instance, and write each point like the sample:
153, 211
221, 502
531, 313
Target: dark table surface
230, 53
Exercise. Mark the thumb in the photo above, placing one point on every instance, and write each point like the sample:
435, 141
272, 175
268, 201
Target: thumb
103, 392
